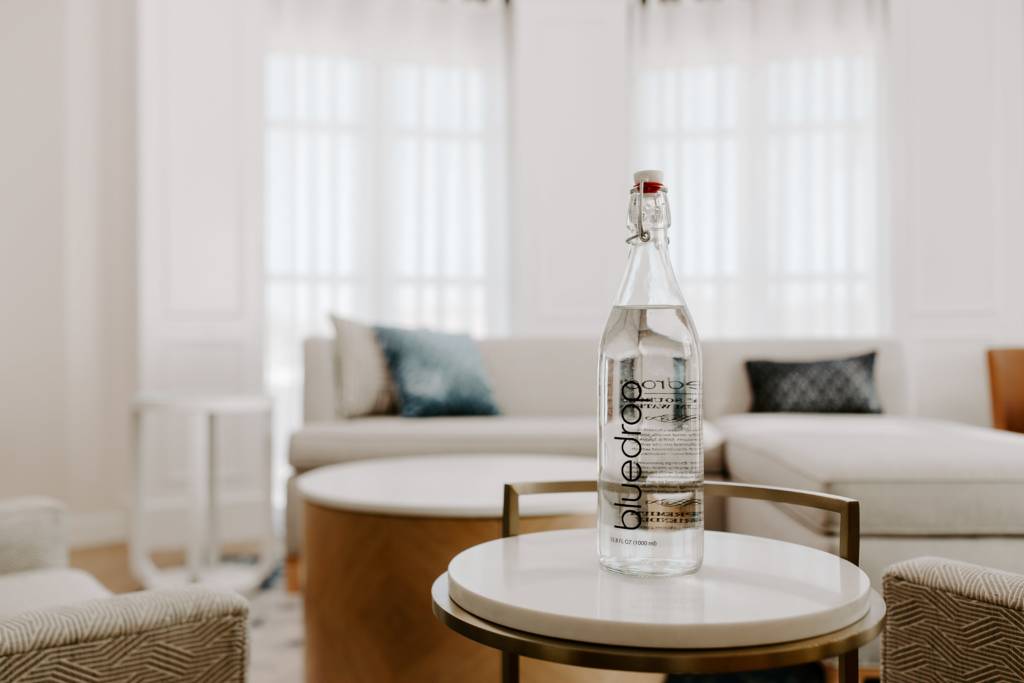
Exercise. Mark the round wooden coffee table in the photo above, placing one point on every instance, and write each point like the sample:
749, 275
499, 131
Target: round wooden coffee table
377, 534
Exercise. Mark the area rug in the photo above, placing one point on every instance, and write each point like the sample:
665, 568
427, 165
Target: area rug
276, 635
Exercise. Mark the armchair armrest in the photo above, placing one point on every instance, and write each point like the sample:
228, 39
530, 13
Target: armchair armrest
952, 621
193, 634
33, 534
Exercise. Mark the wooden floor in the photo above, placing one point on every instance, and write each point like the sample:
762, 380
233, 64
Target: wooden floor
109, 564
867, 675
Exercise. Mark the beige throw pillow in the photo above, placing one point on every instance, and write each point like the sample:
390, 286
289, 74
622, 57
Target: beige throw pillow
362, 381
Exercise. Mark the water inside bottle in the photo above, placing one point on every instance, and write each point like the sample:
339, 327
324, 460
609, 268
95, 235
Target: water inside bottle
652, 462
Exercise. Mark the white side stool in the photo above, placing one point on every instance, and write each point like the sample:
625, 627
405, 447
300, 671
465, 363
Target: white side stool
203, 548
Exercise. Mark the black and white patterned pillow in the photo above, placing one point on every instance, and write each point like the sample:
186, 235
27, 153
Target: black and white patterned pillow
845, 385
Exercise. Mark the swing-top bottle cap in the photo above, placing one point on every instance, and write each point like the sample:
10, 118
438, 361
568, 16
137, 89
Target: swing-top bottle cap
651, 180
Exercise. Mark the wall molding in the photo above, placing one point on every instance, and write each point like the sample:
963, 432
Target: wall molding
200, 208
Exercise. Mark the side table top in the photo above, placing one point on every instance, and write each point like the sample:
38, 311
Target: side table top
467, 486
660, 660
750, 591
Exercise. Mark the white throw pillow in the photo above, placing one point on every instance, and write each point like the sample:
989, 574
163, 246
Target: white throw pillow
362, 381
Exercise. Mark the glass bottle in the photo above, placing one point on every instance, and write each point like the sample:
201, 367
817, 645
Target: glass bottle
651, 457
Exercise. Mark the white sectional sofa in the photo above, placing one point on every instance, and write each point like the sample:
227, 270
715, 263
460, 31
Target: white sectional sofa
547, 392
926, 487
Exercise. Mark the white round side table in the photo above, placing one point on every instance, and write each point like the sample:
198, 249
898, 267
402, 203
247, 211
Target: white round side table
756, 603
750, 591
203, 548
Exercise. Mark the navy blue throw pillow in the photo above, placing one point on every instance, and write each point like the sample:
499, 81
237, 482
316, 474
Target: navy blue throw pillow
845, 385
436, 373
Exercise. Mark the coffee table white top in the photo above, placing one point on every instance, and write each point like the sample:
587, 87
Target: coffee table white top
750, 591
448, 485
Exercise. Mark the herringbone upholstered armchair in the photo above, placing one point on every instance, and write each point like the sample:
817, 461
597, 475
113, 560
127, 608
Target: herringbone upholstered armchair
60, 624
952, 621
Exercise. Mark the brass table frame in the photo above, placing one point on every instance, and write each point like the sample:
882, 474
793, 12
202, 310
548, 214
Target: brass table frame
513, 643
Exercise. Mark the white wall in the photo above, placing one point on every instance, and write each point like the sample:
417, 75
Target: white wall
200, 214
200, 232
570, 136
67, 255
32, 367
78, 195
957, 90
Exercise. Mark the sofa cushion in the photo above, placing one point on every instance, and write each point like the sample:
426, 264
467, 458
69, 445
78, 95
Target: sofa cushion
436, 373
41, 588
912, 476
369, 437
843, 385
362, 381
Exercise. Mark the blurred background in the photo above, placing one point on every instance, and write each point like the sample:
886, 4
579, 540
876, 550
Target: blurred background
188, 188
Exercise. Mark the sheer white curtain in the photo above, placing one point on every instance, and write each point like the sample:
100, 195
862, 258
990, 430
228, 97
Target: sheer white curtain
385, 172
766, 116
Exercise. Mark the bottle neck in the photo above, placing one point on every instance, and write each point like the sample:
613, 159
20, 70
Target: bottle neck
649, 279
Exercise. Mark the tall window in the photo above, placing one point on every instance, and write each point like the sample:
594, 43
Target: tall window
765, 117
385, 172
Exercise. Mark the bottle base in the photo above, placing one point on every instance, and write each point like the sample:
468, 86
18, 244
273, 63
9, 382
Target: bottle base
649, 567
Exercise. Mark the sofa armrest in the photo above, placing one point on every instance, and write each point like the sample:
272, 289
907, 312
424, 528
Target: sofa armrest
33, 534
179, 634
951, 621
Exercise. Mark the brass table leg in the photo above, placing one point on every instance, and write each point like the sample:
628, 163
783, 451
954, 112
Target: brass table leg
848, 668
509, 668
